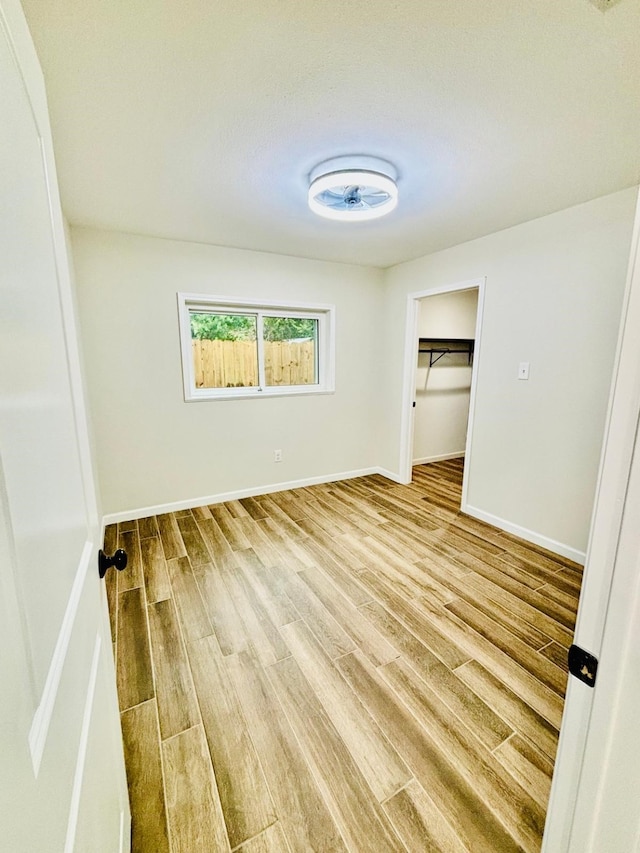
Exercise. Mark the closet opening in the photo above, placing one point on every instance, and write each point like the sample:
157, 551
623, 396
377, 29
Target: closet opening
442, 350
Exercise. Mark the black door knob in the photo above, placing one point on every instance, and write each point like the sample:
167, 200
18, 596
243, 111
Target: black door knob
118, 560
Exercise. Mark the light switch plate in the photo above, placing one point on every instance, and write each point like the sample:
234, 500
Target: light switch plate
523, 370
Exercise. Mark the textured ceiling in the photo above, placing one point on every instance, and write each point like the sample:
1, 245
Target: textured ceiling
201, 119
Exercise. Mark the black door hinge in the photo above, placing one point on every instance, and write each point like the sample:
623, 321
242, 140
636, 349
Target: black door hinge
583, 665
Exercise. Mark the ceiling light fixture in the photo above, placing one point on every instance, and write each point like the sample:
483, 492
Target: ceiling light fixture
353, 189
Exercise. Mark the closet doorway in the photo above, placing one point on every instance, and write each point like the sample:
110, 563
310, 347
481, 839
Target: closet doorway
442, 348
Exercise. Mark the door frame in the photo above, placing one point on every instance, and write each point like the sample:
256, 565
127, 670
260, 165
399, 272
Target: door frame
411, 368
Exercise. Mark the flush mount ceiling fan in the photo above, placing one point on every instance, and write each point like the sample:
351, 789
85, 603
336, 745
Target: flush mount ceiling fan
353, 189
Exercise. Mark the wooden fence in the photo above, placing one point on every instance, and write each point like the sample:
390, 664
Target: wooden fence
233, 364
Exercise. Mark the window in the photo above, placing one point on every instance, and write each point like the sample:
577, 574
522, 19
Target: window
233, 349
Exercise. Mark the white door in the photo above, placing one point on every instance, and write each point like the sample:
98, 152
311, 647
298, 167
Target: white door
62, 782
592, 808
606, 815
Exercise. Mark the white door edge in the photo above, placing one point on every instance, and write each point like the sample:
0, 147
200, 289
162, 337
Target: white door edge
42, 717
74, 808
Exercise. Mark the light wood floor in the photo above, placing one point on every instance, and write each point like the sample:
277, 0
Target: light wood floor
347, 667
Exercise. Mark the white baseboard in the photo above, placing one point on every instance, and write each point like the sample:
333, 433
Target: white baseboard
439, 458
175, 506
474, 512
384, 472
529, 535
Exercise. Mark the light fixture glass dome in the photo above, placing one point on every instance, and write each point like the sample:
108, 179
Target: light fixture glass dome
339, 190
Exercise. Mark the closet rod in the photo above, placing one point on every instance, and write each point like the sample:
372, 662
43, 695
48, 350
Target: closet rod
460, 345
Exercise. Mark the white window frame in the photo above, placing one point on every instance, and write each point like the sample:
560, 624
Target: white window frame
325, 352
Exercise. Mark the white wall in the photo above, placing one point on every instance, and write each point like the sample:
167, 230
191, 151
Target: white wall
152, 447
553, 297
442, 391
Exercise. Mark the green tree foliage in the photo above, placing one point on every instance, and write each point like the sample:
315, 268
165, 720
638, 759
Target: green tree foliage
242, 327
288, 328
223, 327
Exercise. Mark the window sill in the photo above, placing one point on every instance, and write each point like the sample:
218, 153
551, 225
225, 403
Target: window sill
255, 393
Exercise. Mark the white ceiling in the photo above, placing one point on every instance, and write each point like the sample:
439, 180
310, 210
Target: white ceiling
201, 119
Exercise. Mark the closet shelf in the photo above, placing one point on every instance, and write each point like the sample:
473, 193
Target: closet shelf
439, 347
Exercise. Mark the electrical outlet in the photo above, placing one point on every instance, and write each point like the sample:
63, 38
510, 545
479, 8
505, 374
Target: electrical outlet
523, 370
277, 456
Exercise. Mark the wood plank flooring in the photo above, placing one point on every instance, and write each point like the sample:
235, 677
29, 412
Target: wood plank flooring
354, 666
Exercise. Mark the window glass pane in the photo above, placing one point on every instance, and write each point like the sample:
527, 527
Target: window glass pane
290, 351
225, 349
